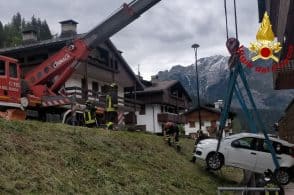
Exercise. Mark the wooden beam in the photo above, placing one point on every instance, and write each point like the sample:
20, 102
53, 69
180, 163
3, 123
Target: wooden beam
268, 5
282, 19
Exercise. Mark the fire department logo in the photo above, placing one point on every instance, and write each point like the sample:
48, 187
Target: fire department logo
265, 47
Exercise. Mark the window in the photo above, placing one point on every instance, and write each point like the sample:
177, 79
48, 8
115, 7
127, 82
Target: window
246, 143
191, 124
84, 88
13, 70
2, 67
115, 65
104, 56
95, 87
111, 63
278, 147
213, 123
142, 110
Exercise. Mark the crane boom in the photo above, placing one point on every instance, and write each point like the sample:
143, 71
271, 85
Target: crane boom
50, 75
126, 14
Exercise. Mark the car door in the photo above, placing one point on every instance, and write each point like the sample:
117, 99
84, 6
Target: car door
242, 153
264, 157
14, 90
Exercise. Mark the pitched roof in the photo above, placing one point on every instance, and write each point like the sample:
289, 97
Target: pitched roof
29, 29
39, 44
289, 106
68, 21
63, 41
209, 109
159, 86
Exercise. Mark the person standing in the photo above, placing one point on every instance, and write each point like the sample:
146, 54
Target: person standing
171, 133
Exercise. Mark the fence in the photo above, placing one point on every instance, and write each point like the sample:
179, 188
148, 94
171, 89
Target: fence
247, 189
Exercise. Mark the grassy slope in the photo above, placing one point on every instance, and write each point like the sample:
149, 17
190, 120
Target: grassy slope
53, 158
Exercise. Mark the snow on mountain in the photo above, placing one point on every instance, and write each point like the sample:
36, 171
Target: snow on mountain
213, 79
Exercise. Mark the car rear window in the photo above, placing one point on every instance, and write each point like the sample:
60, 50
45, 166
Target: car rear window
278, 147
289, 150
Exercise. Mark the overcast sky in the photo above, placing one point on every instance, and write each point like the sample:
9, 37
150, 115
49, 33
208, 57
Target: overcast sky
160, 38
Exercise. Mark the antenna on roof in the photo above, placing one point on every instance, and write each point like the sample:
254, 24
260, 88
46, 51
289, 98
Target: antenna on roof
139, 70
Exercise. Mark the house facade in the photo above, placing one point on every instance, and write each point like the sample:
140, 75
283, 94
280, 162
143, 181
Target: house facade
104, 65
209, 121
164, 101
281, 14
286, 124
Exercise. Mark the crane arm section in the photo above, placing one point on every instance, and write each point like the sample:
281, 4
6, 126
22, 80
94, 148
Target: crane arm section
53, 72
126, 14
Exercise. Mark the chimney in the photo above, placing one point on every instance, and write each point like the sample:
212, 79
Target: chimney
154, 79
218, 104
68, 28
29, 35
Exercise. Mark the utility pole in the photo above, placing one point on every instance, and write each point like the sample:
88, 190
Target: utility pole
195, 47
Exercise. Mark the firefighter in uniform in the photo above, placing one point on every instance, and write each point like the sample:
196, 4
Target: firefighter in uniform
111, 106
90, 115
171, 133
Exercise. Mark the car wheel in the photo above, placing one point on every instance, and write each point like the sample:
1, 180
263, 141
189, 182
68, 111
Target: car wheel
282, 176
214, 161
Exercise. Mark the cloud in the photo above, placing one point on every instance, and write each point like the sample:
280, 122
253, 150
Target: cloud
161, 37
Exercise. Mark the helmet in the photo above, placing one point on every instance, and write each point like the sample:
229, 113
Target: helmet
88, 102
113, 85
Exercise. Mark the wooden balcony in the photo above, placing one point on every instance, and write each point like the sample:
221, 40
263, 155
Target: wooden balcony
81, 96
169, 117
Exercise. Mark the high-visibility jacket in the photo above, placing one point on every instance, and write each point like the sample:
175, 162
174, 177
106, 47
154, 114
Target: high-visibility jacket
89, 118
110, 107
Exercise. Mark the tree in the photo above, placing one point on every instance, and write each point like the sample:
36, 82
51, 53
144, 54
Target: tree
45, 32
34, 22
23, 24
16, 22
2, 36
11, 33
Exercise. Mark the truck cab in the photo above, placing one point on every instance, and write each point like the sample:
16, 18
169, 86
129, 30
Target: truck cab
10, 86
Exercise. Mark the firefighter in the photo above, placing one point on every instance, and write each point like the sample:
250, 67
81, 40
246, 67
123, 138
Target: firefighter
111, 106
171, 133
90, 115
201, 136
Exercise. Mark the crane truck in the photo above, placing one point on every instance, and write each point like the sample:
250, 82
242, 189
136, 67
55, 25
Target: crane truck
38, 89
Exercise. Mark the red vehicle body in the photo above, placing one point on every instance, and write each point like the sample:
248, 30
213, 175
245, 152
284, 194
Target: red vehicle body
39, 88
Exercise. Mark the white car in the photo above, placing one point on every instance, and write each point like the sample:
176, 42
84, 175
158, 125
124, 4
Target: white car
250, 152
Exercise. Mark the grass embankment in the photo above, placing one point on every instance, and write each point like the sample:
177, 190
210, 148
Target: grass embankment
40, 157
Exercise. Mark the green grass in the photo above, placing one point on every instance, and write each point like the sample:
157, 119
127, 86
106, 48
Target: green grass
48, 158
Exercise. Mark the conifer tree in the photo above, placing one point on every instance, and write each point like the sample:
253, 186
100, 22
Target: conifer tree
2, 37
11, 33
45, 32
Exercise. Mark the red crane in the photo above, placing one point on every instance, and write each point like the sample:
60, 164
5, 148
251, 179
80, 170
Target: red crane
42, 83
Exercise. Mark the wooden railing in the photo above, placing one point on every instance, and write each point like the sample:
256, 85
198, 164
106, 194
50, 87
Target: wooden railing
170, 117
287, 68
82, 95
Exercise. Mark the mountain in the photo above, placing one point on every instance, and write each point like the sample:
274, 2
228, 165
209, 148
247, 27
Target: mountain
213, 82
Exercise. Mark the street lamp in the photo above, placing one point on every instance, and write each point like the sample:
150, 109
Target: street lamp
195, 47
